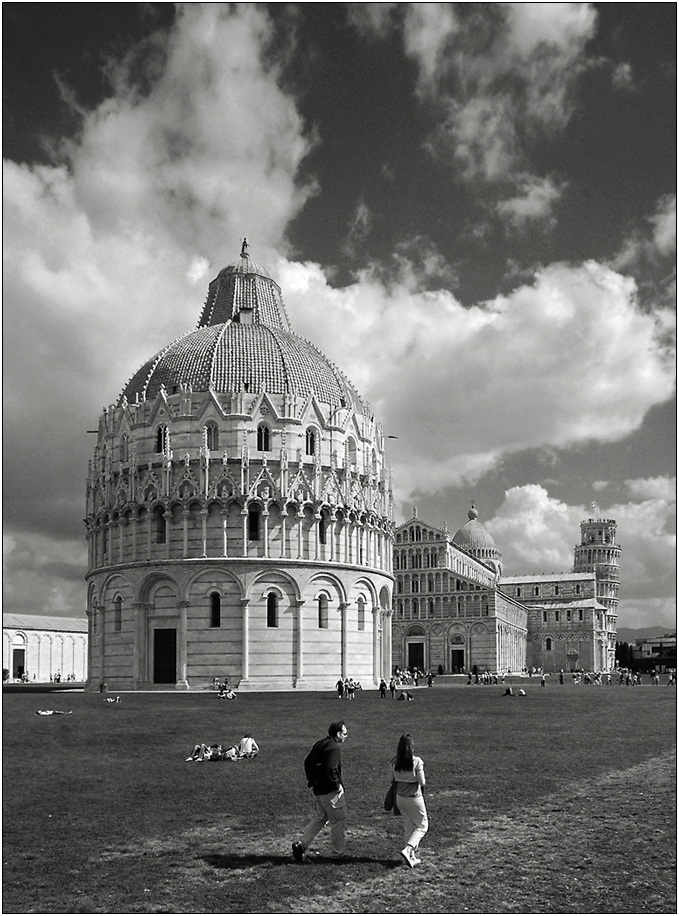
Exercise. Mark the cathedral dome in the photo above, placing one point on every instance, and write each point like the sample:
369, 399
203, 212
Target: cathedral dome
243, 343
474, 536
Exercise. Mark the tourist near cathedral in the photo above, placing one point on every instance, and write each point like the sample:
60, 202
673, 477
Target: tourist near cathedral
240, 524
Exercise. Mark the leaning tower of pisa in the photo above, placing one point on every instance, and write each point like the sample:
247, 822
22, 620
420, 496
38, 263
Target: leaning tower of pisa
599, 553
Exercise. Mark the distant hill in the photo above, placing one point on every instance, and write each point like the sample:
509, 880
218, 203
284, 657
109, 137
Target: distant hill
626, 634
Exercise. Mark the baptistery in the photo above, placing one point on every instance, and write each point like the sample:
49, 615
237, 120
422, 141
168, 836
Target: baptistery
239, 510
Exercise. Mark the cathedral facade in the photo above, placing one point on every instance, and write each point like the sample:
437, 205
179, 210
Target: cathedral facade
455, 611
239, 510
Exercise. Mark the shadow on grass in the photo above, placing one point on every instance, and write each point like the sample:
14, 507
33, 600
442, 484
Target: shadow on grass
249, 860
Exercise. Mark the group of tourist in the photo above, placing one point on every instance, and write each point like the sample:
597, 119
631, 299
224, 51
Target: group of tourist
323, 769
247, 747
346, 688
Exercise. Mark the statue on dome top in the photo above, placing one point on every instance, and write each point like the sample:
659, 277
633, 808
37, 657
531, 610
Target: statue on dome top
244, 249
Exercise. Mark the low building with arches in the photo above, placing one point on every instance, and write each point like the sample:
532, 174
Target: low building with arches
39, 648
455, 611
239, 510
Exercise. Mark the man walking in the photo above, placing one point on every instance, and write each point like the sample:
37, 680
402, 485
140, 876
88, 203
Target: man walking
323, 768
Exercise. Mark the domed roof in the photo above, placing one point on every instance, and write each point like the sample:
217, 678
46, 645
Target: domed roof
243, 342
474, 535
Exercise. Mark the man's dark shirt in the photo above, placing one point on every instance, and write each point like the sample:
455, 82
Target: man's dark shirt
323, 766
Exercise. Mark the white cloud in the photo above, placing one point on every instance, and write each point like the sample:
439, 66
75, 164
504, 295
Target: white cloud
645, 246
661, 488
664, 222
359, 227
564, 360
498, 71
101, 254
622, 77
534, 203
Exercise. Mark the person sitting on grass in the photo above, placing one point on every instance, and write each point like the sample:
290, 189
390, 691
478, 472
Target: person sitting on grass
405, 695
247, 747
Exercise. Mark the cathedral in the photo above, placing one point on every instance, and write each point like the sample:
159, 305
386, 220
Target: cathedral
455, 611
240, 524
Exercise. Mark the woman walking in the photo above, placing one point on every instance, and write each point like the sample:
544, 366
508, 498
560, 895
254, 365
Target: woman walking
408, 771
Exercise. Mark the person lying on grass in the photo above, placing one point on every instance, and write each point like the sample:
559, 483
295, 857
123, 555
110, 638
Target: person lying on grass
247, 747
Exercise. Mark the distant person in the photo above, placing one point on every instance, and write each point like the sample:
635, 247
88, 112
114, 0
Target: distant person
339, 686
323, 768
392, 687
542, 679
247, 746
383, 689
408, 771
561, 677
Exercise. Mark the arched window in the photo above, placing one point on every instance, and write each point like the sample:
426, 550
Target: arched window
399, 587
215, 610
212, 436
431, 608
263, 438
310, 442
161, 439
323, 612
271, 610
416, 608
548, 644
351, 451
518, 592
253, 523
430, 584
361, 614
418, 534
118, 614
124, 447
160, 525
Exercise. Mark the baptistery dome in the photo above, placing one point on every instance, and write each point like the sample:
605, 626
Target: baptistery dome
239, 510
243, 343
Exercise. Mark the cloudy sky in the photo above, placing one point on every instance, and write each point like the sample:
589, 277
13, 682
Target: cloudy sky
470, 208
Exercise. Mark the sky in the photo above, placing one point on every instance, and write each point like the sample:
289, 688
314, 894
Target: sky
470, 209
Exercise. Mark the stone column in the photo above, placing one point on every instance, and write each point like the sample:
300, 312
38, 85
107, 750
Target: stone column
299, 674
182, 682
102, 644
168, 532
284, 519
185, 532
203, 532
343, 611
330, 533
149, 525
386, 643
377, 666
225, 517
265, 516
139, 669
245, 664
300, 523
316, 530
90, 646
244, 515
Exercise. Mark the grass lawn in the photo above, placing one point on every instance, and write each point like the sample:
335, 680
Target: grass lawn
560, 802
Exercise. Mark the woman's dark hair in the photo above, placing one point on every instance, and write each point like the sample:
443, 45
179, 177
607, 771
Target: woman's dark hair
404, 753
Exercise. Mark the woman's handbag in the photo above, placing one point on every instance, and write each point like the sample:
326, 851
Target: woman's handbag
390, 803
